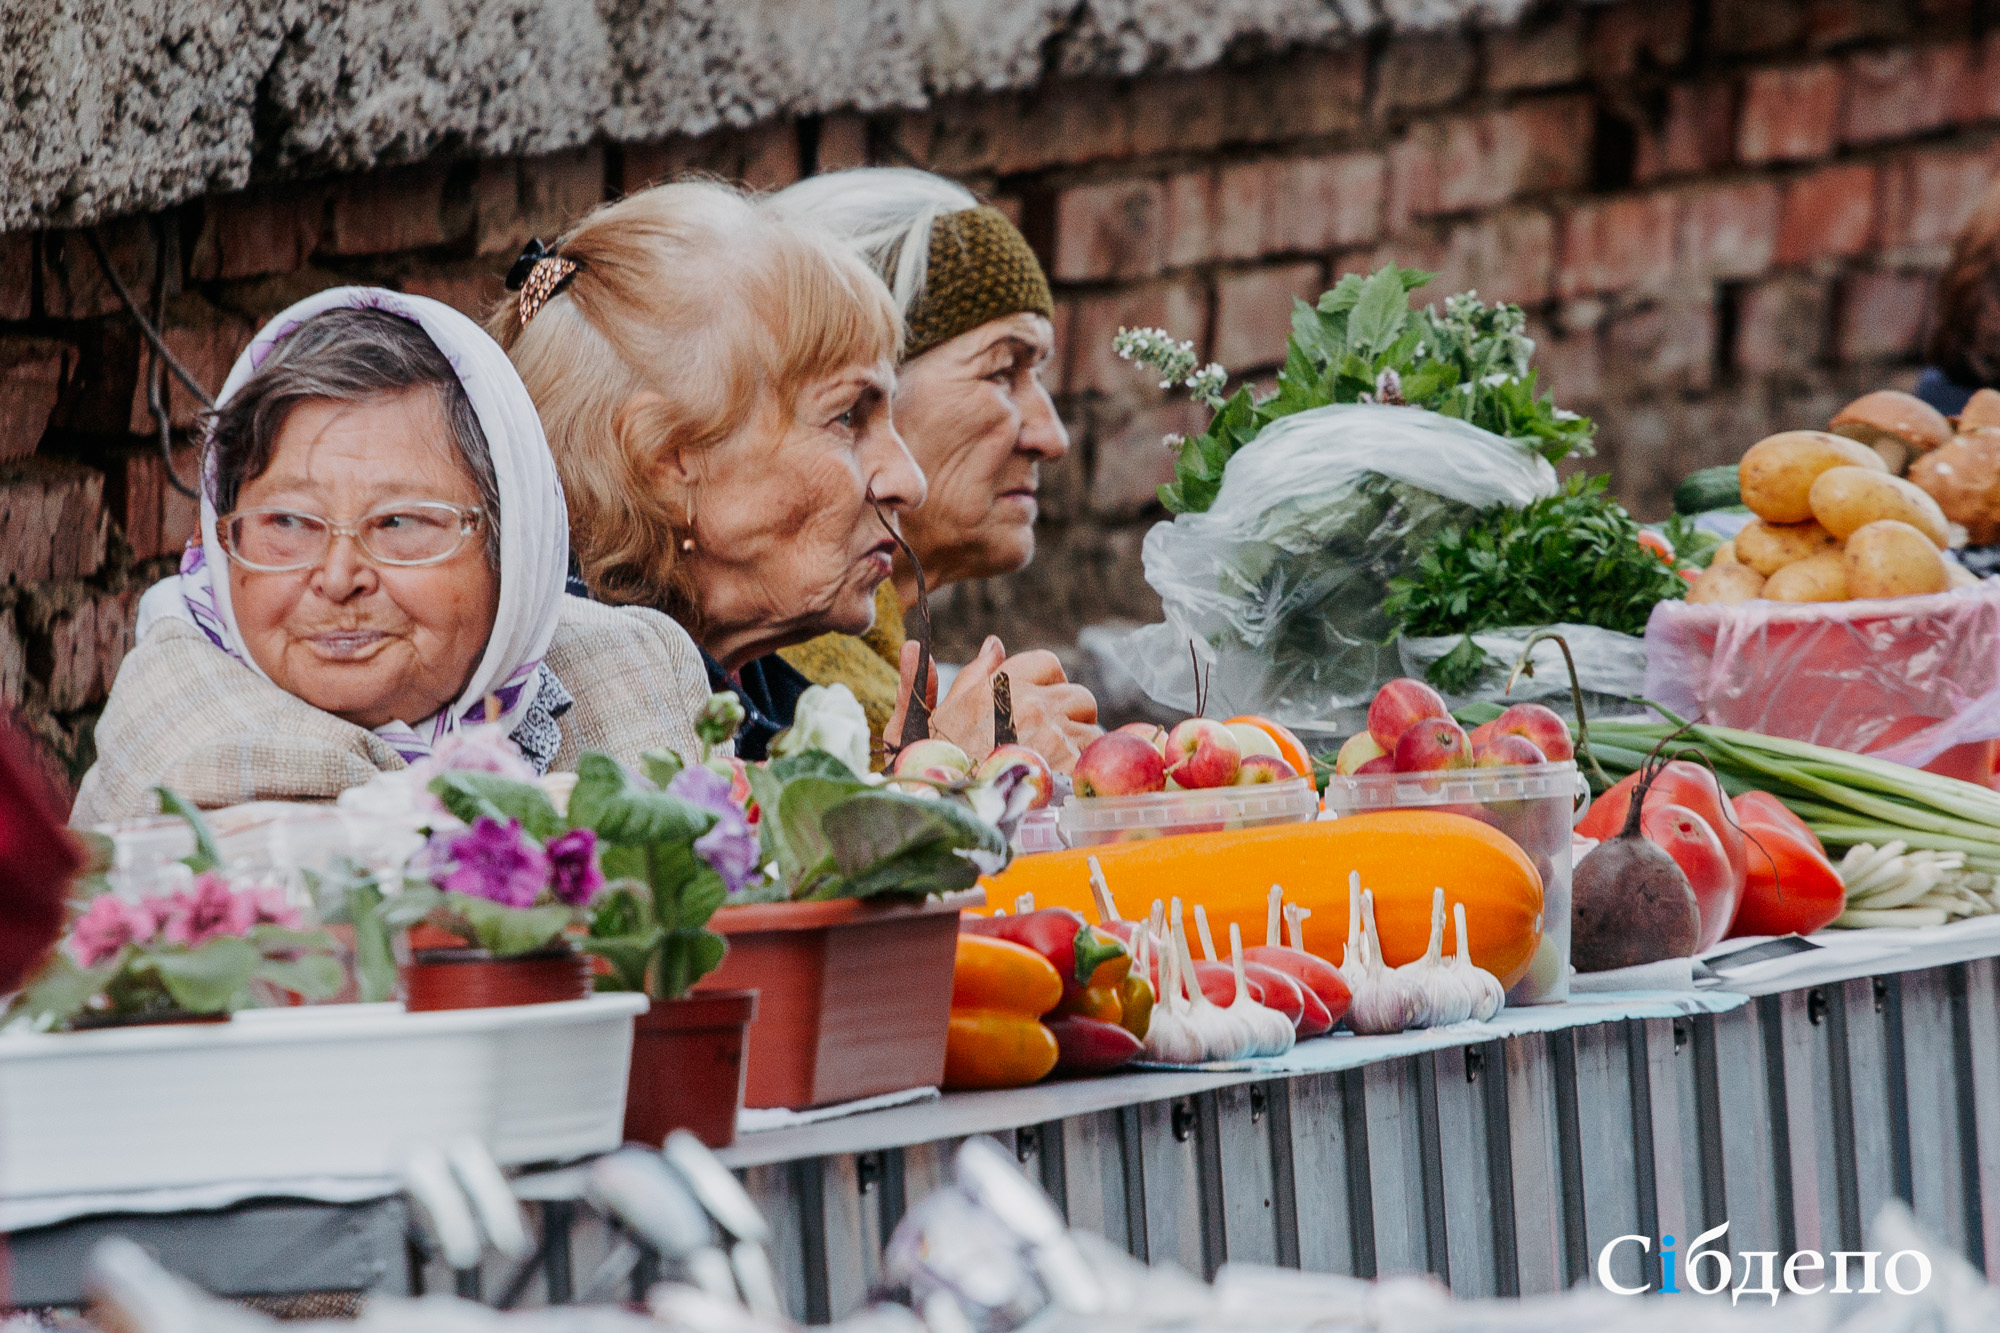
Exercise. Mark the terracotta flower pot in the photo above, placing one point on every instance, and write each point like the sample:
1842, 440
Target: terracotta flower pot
687, 1068
475, 979
853, 999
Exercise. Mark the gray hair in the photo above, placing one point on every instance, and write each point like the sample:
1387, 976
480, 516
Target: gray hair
884, 213
348, 355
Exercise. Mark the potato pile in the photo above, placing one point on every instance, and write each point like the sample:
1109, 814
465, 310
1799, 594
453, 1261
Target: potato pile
1963, 473
1833, 523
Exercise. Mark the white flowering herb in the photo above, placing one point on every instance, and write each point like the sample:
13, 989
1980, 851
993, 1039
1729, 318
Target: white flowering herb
1175, 363
829, 718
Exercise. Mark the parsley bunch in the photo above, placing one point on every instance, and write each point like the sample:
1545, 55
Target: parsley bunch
1573, 558
1362, 343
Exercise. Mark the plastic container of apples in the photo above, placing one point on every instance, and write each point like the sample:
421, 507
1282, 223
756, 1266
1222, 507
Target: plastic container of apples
1515, 773
1145, 781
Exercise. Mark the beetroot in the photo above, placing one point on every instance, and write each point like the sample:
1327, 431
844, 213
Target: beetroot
1630, 903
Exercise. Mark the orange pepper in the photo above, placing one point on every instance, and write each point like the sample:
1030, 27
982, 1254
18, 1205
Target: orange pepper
1102, 1003
999, 990
990, 973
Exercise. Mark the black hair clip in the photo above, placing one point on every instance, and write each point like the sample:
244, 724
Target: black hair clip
533, 253
538, 275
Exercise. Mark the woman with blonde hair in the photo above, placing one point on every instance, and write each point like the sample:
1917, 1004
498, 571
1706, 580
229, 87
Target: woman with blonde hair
971, 405
715, 386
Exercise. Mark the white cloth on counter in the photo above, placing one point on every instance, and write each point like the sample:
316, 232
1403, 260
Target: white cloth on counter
759, 1119
1669, 974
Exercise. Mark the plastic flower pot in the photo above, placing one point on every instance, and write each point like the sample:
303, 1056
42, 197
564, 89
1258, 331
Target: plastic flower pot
687, 1068
854, 999
475, 979
92, 1022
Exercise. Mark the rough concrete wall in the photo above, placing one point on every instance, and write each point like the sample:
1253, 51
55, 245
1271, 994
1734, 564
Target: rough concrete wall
122, 106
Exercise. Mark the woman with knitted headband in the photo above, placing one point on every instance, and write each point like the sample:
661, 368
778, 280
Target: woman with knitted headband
971, 405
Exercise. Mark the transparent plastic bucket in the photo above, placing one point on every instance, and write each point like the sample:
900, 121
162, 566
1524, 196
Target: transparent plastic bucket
1093, 821
1536, 805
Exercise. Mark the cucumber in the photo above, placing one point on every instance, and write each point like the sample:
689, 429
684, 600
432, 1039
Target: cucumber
1710, 488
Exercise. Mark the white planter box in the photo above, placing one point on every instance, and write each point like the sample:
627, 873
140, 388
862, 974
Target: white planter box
328, 1091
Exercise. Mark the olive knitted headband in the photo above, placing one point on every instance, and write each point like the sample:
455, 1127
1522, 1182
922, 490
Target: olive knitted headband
980, 268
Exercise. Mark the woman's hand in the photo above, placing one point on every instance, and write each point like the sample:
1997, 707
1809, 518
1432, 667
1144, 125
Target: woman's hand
1052, 717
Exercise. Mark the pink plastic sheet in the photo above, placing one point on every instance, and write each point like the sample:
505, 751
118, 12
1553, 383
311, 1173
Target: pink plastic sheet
1905, 679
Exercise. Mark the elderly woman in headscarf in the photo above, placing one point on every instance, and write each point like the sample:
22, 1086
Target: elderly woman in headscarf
971, 405
380, 564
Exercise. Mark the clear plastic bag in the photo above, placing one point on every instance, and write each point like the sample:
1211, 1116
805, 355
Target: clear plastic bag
1610, 667
1915, 680
1280, 584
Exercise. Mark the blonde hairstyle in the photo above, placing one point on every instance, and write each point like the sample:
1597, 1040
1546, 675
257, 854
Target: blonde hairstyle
709, 299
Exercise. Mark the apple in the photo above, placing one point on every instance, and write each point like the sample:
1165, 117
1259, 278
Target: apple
1203, 753
1543, 726
1398, 706
1119, 763
1433, 744
1507, 750
1381, 763
1358, 750
937, 760
1152, 733
1008, 756
1254, 740
1257, 769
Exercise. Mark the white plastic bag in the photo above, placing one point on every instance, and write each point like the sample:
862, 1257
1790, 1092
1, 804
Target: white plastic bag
1610, 667
1279, 586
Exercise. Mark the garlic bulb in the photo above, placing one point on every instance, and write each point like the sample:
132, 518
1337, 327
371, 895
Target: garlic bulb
1446, 999
1488, 995
1270, 1031
1383, 1001
1352, 970
1223, 1034
1295, 922
1170, 1039
1271, 940
1201, 928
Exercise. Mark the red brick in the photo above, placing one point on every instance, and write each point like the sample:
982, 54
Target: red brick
1830, 212
31, 376
1309, 95
403, 208
1698, 134
77, 638
206, 341
1834, 23
180, 513
1525, 149
74, 286
1181, 308
1412, 178
770, 156
843, 142
1320, 202
1790, 114
17, 275
1665, 346
1111, 230
1979, 91
1505, 257
1781, 325
1536, 54
1927, 197
1568, 366
514, 199
256, 232
1253, 313
1243, 201
1894, 94
1618, 245
1638, 33
53, 523
13, 668
1881, 316
1063, 123
155, 517
1729, 231
1187, 114
1130, 456
471, 293
1749, 28
1191, 209
1421, 71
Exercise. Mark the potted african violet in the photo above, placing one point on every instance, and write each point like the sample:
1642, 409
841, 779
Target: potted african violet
192, 952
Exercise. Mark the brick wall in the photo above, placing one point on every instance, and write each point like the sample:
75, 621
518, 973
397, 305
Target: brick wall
1725, 219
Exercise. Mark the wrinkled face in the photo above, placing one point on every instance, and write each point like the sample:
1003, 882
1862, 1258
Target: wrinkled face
980, 423
787, 541
368, 643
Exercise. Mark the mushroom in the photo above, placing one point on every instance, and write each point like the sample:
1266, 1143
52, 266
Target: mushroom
1896, 425
1964, 478
1983, 409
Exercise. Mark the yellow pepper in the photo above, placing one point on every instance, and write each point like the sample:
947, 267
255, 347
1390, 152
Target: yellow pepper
999, 992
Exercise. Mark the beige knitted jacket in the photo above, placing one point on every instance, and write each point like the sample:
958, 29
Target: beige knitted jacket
186, 715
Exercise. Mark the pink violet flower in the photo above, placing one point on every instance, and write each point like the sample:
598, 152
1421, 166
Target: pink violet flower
208, 911
573, 872
490, 860
272, 909
107, 926
731, 847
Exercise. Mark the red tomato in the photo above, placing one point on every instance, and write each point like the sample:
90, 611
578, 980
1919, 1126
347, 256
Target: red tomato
1691, 575
1657, 544
1760, 807
1687, 837
1684, 783
1792, 885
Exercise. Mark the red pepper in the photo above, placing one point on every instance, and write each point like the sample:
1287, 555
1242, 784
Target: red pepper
1792, 886
1087, 1046
1082, 955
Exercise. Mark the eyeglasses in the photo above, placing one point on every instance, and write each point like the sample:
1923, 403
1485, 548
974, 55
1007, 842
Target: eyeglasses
278, 541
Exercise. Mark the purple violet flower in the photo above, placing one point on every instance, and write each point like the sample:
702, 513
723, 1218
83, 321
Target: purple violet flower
731, 847
573, 872
490, 860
